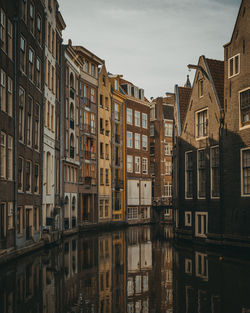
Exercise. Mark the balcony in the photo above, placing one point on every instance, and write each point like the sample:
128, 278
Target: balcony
72, 93
87, 128
71, 124
117, 138
89, 155
88, 181
72, 152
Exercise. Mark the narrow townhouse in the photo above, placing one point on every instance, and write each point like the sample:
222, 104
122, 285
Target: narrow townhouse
236, 132
70, 142
29, 121
118, 150
7, 127
88, 134
161, 146
198, 152
139, 182
104, 143
54, 24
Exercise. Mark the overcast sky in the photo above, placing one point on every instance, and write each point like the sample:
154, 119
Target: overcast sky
151, 42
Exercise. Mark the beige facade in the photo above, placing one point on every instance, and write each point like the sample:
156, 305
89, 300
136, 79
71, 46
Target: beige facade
104, 142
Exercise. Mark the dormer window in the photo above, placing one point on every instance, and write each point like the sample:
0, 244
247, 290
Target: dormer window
234, 66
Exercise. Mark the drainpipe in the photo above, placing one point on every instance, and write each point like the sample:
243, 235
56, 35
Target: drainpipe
15, 125
42, 127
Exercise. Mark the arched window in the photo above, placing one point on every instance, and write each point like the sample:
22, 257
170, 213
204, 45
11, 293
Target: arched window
48, 172
73, 203
71, 80
72, 146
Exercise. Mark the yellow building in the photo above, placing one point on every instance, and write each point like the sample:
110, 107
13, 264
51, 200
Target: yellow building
118, 146
104, 142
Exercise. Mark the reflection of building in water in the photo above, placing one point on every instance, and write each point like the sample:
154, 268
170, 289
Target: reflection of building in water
119, 273
88, 260
105, 272
139, 265
161, 282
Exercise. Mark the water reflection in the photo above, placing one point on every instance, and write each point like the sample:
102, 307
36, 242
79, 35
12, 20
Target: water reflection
125, 271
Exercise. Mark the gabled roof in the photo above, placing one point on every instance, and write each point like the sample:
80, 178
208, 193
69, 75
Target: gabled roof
216, 69
183, 95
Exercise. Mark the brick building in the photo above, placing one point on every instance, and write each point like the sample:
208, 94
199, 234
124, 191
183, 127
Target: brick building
197, 167
139, 182
161, 146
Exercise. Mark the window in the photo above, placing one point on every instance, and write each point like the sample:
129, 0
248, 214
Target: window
201, 88
152, 168
92, 123
49, 37
129, 139
168, 190
49, 75
39, 29
234, 66
52, 118
137, 141
22, 55
9, 108
93, 70
19, 225
2, 30
10, 158
101, 176
29, 121
37, 128
215, 172
144, 121
137, 118
10, 39
53, 43
245, 165
188, 266
92, 95
152, 130
10, 216
132, 213
129, 116
86, 66
28, 176
168, 129
38, 73
117, 114
201, 266
20, 174
245, 107
101, 208
36, 178
188, 218
21, 114
24, 9
201, 124
107, 177
144, 142
201, 175
168, 148
201, 224
189, 175
31, 65
3, 91
144, 166
32, 18
168, 166
130, 163
48, 173
3, 153
137, 165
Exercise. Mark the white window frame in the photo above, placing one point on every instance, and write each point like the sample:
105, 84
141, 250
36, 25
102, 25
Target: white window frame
144, 119
188, 264
129, 141
188, 214
240, 116
145, 166
130, 170
145, 142
139, 160
168, 151
197, 124
129, 115
168, 168
203, 234
242, 178
168, 131
137, 116
204, 266
137, 141
234, 73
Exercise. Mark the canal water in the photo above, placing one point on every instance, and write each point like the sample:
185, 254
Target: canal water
134, 270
